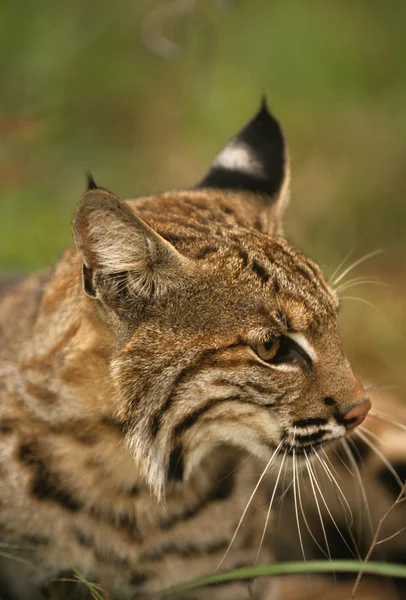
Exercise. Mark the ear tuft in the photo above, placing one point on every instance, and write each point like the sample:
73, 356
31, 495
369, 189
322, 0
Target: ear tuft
91, 184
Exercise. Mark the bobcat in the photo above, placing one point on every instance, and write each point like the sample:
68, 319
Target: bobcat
179, 347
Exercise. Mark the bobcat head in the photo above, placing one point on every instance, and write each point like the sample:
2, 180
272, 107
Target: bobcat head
224, 333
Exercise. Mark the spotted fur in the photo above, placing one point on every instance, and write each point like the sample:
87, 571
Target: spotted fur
136, 414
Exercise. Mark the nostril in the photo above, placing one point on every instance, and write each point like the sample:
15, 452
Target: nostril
356, 415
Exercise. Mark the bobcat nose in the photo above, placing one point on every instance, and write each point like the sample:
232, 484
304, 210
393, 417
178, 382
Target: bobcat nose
355, 416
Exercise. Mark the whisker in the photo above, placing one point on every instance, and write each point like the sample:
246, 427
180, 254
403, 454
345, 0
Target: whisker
382, 457
270, 507
342, 462
311, 478
358, 477
341, 264
328, 510
334, 480
248, 503
306, 522
363, 301
328, 460
386, 419
295, 502
371, 433
356, 263
350, 284
281, 498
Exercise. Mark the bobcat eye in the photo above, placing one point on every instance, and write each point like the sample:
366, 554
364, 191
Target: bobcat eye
268, 350
281, 350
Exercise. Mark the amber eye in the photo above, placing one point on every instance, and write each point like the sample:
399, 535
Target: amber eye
268, 350
282, 349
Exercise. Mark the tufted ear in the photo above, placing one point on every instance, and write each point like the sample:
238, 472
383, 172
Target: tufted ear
255, 161
120, 251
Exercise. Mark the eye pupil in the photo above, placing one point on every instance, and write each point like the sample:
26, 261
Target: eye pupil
268, 345
269, 349
281, 349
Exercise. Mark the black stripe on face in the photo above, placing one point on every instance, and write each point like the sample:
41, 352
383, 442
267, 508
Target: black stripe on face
185, 373
309, 421
303, 439
191, 419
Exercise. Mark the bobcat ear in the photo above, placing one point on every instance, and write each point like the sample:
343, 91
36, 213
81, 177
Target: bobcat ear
120, 251
256, 161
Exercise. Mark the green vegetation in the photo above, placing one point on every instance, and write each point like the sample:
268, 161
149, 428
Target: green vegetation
290, 568
84, 88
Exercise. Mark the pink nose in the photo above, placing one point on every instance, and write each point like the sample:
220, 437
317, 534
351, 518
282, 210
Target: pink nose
357, 414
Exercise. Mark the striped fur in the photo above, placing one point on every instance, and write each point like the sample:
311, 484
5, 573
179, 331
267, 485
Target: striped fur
132, 389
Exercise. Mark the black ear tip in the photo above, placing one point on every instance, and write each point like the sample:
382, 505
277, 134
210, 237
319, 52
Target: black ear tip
91, 184
264, 114
264, 108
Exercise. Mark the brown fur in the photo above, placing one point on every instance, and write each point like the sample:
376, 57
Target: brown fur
131, 391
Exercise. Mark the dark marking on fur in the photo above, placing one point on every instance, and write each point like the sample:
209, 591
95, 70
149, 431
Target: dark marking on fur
185, 549
191, 419
123, 521
138, 578
309, 421
203, 252
109, 557
7, 426
260, 271
176, 465
221, 490
244, 257
46, 484
312, 437
84, 538
41, 392
36, 539
187, 372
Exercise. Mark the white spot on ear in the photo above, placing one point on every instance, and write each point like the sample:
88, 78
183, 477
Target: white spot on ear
237, 156
301, 340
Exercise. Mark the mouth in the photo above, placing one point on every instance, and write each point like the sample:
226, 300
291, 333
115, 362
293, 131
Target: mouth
302, 440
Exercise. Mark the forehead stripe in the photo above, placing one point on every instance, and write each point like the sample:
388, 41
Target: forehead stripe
301, 340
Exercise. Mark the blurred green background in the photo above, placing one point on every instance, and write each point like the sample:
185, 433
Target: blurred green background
144, 93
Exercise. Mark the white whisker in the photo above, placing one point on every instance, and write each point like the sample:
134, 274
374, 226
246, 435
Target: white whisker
350, 284
334, 480
382, 457
358, 477
296, 511
386, 419
248, 503
306, 522
328, 510
317, 505
341, 264
356, 263
363, 301
270, 507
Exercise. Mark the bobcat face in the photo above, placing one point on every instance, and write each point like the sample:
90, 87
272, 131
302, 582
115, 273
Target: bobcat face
225, 334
